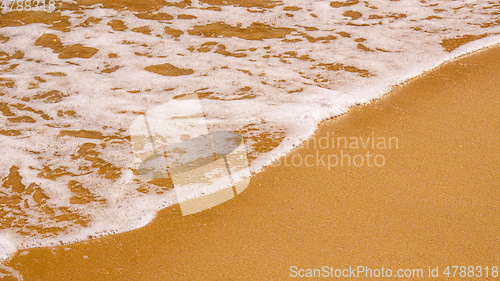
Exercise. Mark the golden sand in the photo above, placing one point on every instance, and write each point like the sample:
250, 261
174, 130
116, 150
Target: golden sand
434, 202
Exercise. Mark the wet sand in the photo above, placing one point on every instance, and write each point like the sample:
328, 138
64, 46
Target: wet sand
434, 202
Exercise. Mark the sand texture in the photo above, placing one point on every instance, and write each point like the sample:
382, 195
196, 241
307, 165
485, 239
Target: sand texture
434, 201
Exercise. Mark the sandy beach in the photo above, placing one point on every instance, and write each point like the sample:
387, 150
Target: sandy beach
427, 195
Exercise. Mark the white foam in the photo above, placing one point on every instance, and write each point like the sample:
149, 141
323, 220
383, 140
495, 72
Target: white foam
7, 246
10, 272
107, 102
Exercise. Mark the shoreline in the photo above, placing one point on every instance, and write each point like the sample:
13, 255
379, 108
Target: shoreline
453, 45
464, 49
232, 217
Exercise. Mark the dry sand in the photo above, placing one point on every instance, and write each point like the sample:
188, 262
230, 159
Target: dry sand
435, 202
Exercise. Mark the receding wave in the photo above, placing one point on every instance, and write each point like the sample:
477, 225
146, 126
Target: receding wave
72, 81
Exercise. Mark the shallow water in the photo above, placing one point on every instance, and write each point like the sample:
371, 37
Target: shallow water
73, 81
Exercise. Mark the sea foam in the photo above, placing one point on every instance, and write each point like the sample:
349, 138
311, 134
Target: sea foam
68, 169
